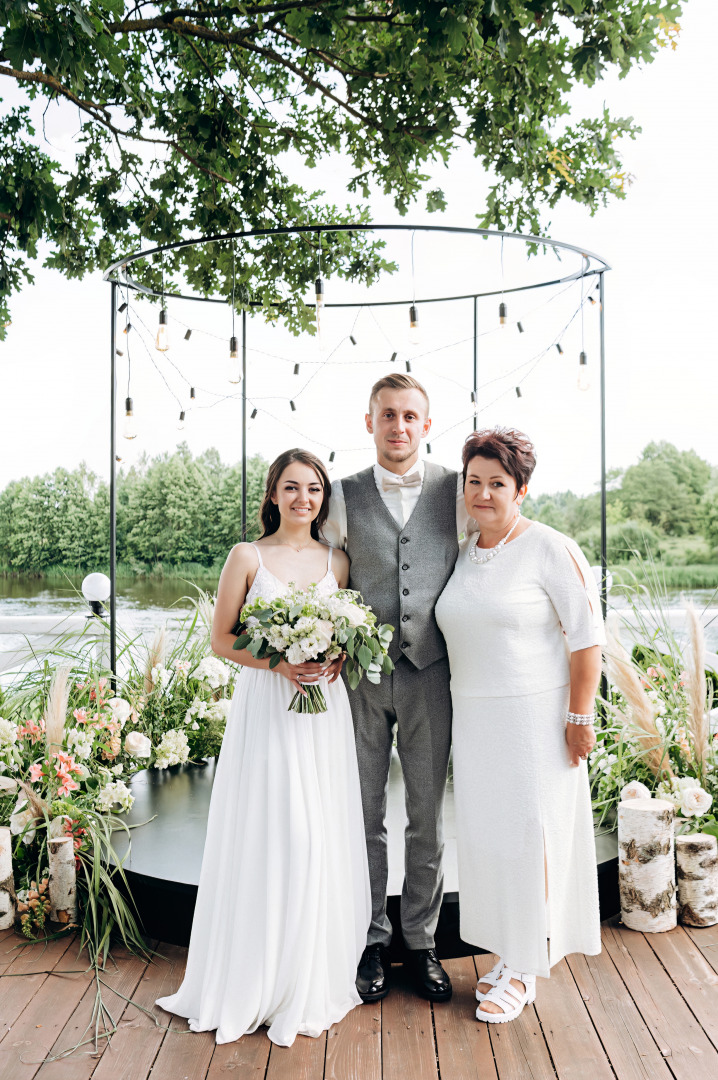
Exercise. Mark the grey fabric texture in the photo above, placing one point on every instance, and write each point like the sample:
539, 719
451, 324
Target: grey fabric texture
402, 581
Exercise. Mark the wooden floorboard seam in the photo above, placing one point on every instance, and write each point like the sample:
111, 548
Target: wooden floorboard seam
684, 998
593, 1024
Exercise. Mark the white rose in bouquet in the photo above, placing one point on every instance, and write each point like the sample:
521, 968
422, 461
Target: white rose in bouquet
635, 790
121, 710
695, 802
685, 783
137, 745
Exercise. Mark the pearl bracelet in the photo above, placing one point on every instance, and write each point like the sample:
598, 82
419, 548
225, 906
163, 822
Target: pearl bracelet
580, 718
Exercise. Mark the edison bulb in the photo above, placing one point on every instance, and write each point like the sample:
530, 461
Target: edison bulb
129, 427
235, 375
414, 331
503, 314
162, 341
180, 422
584, 375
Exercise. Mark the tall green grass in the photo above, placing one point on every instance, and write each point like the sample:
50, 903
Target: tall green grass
58, 575
695, 576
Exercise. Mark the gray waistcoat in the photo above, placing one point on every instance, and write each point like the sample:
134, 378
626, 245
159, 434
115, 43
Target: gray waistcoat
401, 572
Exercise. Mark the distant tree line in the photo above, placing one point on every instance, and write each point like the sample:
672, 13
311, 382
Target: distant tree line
177, 509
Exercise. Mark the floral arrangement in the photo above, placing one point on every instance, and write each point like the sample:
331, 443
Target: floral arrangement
307, 626
657, 739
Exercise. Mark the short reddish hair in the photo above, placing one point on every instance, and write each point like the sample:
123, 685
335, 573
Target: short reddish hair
511, 448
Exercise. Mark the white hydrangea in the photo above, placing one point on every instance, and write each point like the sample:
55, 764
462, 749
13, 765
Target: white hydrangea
220, 710
172, 750
8, 734
80, 742
212, 671
161, 676
117, 769
115, 794
197, 709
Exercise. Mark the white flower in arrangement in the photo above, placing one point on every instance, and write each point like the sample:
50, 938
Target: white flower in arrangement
673, 789
220, 710
121, 710
137, 745
684, 783
182, 669
635, 790
117, 769
172, 750
21, 818
115, 794
161, 676
695, 801
198, 709
305, 625
213, 671
80, 741
8, 734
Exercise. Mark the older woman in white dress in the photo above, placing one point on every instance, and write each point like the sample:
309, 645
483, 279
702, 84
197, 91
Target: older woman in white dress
522, 620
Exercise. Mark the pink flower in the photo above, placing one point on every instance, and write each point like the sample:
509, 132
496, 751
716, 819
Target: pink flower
35, 772
67, 785
651, 673
80, 715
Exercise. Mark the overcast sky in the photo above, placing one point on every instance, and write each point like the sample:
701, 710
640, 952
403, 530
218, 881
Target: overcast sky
661, 353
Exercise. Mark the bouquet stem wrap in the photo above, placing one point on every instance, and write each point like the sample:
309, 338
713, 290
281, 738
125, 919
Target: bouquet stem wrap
311, 702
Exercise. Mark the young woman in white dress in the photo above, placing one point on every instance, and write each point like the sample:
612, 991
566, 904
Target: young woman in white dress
522, 620
283, 904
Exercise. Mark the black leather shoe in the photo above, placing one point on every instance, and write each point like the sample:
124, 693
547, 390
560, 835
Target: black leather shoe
373, 974
430, 979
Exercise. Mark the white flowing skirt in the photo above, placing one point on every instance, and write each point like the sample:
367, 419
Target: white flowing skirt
284, 904
516, 794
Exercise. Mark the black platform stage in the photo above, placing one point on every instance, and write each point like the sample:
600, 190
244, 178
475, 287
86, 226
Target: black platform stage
164, 863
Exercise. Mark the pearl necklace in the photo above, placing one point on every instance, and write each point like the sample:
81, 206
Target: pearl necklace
490, 553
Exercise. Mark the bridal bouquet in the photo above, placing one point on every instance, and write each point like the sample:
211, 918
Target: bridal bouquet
308, 626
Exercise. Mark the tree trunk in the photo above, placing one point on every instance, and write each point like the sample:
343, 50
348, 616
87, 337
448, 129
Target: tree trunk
62, 887
7, 886
646, 867
697, 873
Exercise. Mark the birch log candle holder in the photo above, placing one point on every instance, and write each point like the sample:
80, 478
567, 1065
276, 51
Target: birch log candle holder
7, 885
697, 873
646, 866
62, 884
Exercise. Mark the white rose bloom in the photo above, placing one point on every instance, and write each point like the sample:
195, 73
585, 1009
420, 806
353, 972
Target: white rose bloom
137, 745
695, 802
8, 733
324, 632
121, 710
353, 614
21, 817
684, 783
635, 790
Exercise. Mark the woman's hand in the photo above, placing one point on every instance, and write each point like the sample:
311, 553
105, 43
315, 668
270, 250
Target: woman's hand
580, 739
297, 674
334, 670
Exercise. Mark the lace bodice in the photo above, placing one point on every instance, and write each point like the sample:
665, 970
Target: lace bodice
268, 586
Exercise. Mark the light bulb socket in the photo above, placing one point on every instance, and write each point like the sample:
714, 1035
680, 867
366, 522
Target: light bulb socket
296, 369
559, 350
128, 406
332, 456
181, 418
473, 397
188, 335
233, 349
428, 448
163, 316
319, 290
583, 360
253, 414
352, 339
119, 352
413, 316
128, 327
519, 327
192, 394
292, 406
503, 313
408, 365
122, 307
393, 357
518, 392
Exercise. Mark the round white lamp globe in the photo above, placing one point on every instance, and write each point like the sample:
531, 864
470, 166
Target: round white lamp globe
96, 587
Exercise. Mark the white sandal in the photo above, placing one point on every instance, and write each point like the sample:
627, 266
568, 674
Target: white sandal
491, 977
508, 997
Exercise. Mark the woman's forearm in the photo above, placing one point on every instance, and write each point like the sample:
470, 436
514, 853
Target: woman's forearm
222, 646
585, 675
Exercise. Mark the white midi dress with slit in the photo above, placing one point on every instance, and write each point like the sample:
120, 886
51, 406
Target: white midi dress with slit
283, 905
510, 625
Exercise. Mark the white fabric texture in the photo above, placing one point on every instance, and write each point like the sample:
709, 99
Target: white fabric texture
514, 789
283, 904
400, 503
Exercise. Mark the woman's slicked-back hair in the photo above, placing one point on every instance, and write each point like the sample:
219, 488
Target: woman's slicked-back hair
511, 448
269, 511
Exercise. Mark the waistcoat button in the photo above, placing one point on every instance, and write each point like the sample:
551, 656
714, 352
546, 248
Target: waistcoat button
405, 539
405, 618
405, 566
405, 645
405, 592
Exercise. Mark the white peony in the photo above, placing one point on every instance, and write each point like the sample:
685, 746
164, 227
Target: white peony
685, 783
213, 671
635, 790
323, 633
115, 794
137, 745
172, 750
121, 710
21, 818
8, 733
695, 802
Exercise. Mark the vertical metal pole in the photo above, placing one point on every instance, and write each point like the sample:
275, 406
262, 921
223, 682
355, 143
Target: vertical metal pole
113, 484
476, 359
244, 425
604, 543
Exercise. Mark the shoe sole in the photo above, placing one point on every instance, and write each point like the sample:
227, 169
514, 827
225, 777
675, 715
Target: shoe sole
443, 995
503, 1018
369, 998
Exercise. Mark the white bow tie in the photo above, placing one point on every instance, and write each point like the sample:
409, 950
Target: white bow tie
412, 479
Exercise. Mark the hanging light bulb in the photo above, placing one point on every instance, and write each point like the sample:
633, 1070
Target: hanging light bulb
319, 292
188, 334
253, 415
122, 307
352, 339
129, 428
296, 369
428, 448
332, 456
414, 332
162, 341
393, 357
519, 327
584, 375
292, 406
128, 327
518, 392
180, 422
192, 396
503, 314
235, 375
408, 365
559, 349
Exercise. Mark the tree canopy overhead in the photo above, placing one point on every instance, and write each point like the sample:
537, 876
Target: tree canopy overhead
189, 117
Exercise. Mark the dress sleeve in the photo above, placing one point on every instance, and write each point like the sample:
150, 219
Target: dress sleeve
334, 530
572, 589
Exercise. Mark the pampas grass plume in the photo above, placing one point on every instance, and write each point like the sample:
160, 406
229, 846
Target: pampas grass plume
155, 656
56, 710
696, 687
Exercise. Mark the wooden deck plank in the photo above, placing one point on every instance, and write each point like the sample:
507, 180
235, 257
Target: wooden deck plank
407, 1033
23, 978
519, 1048
122, 976
677, 1034
302, 1061
183, 1052
462, 1043
135, 1046
36, 1030
575, 1047
245, 1059
625, 1037
706, 939
9, 952
354, 1045
692, 974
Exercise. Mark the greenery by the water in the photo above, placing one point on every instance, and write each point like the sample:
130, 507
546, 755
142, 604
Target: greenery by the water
178, 516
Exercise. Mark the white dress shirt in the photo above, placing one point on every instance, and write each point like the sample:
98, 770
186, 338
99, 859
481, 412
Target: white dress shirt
399, 501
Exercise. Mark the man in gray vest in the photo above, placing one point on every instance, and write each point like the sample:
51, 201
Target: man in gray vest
398, 522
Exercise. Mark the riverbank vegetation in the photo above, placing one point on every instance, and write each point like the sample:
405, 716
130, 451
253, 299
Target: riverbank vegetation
178, 515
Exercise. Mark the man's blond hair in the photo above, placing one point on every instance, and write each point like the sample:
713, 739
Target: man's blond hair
397, 382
